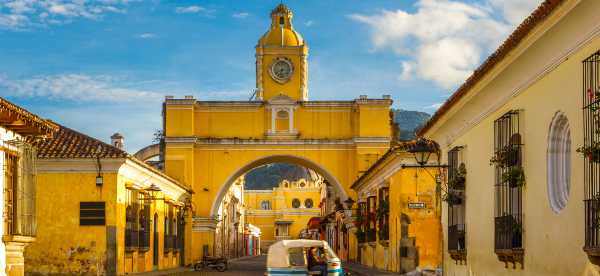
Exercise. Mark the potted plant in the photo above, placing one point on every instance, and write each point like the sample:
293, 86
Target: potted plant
458, 180
591, 152
453, 198
514, 176
505, 157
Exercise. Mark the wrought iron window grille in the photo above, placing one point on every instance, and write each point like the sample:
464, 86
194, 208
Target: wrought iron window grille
591, 152
507, 159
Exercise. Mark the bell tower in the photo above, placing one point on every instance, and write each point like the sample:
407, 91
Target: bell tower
281, 59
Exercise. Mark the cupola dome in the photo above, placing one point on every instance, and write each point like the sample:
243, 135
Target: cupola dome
282, 32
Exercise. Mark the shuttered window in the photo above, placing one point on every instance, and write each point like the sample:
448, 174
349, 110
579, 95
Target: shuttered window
92, 213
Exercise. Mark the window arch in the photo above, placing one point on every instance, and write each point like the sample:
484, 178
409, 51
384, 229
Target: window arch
265, 205
558, 162
308, 203
296, 203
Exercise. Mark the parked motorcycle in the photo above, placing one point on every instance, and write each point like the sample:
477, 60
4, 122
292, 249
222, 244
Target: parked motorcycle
216, 263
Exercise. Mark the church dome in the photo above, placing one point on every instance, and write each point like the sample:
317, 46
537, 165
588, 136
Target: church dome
282, 32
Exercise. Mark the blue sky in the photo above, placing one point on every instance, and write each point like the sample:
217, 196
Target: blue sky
104, 66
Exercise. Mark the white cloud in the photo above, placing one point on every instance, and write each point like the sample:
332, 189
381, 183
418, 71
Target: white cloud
24, 14
189, 9
309, 23
147, 36
444, 40
514, 11
240, 15
77, 87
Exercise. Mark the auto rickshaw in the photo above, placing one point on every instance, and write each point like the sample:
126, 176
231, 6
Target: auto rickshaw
290, 257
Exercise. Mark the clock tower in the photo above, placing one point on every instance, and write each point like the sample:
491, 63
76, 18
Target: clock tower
281, 67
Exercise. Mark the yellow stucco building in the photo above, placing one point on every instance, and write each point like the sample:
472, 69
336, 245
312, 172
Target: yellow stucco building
209, 144
101, 211
527, 201
284, 211
397, 220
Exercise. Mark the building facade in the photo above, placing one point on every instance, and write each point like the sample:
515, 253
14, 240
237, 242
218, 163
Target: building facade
101, 211
209, 144
284, 211
397, 218
520, 141
230, 232
17, 181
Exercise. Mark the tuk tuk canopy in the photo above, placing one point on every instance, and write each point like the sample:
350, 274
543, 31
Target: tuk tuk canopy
278, 256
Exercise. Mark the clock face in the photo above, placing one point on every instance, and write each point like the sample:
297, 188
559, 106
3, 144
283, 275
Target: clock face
281, 70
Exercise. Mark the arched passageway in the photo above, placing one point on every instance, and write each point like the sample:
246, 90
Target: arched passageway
291, 159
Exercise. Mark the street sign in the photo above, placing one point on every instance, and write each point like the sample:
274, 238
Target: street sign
416, 205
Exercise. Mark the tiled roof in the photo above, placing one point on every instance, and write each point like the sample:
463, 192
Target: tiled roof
69, 143
537, 17
33, 123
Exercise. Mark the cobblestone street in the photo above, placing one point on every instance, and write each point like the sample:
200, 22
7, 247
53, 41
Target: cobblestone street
251, 266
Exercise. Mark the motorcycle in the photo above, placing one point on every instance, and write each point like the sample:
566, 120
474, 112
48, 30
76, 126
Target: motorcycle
217, 263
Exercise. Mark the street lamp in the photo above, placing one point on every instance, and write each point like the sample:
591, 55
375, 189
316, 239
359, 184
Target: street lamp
422, 149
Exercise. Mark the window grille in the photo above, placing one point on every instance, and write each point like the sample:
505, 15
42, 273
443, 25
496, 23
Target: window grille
456, 210
371, 219
144, 223
168, 235
591, 117
20, 175
92, 213
383, 213
509, 180
132, 220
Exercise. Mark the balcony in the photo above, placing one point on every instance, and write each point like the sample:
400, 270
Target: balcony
456, 243
508, 242
287, 237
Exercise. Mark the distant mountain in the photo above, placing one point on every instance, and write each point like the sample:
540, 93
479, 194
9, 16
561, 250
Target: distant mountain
408, 121
269, 176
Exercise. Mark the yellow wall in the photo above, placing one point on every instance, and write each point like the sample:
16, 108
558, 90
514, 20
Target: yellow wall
62, 246
552, 241
65, 247
405, 185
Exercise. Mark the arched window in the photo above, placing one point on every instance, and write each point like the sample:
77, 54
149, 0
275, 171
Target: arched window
558, 162
265, 205
296, 203
308, 203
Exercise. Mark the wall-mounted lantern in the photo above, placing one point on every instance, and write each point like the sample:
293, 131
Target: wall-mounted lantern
99, 178
153, 191
422, 150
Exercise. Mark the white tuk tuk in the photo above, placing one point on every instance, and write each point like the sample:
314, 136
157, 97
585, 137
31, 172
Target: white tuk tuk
290, 257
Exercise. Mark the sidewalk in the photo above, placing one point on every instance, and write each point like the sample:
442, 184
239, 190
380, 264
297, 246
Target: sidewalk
361, 270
